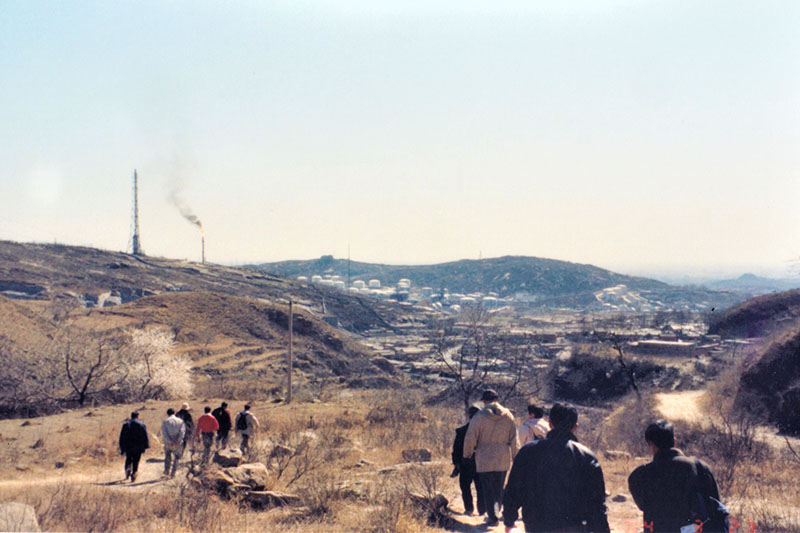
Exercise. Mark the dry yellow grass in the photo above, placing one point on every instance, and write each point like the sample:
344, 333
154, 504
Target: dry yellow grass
348, 439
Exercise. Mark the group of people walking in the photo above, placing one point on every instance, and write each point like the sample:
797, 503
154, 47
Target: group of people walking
558, 483
177, 432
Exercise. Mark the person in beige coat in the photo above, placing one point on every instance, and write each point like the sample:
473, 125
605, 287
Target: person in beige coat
492, 437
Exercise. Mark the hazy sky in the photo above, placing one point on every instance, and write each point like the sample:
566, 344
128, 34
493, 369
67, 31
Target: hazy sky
636, 136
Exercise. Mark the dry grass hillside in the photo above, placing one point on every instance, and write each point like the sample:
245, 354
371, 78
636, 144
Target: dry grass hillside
237, 346
341, 456
91, 276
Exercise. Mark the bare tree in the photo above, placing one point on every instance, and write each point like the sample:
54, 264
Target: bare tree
92, 367
477, 353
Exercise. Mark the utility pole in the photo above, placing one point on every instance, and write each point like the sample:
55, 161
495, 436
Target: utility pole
291, 355
348, 267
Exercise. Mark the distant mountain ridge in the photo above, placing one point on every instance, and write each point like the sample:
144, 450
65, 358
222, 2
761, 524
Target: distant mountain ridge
547, 282
505, 275
752, 284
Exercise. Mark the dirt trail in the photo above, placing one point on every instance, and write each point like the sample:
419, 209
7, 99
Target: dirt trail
684, 405
149, 476
689, 406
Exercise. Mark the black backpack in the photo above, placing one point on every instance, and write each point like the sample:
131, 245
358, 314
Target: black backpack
712, 512
241, 421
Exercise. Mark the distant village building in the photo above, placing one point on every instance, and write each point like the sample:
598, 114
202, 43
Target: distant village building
662, 347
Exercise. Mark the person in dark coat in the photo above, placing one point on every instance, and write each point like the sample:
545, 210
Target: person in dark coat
672, 489
223, 417
133, 441
557, 482
465, 468
186, 416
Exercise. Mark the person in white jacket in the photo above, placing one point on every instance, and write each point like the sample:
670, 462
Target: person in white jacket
535, 427
172, 430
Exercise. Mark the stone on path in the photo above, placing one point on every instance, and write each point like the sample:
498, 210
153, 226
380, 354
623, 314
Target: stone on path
228, 458
416, 455
260, 499
18, 517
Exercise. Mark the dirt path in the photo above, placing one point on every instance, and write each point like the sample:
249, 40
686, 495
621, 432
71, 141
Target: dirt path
684, 405
148, 477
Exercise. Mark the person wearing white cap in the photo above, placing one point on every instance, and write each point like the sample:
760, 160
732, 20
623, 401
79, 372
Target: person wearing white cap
186, 416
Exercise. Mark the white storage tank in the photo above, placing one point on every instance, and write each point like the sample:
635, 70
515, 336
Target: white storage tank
404, 284
316, 278
374, 284
302, 278
358, 284
339, 284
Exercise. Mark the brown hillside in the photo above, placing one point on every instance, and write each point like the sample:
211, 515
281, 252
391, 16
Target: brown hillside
23, 324
244, 342
772, 384
93, 277
759, 316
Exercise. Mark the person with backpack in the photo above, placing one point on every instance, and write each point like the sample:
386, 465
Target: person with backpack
247, 425
675, 492
133, 441
223, 417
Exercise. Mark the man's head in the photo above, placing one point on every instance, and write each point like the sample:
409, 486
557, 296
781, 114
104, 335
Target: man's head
206, 409
170, 411
472, 411
534, 411
134, 415
489, 396
563, 416
186, 407
247, 407
224, 405
661, 434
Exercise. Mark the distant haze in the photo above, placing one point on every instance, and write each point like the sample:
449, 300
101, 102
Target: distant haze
642, 137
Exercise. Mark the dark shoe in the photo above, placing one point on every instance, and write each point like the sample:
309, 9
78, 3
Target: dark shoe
133, 478
492, 521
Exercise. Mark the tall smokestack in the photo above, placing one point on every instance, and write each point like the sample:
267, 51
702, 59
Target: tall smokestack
203, 249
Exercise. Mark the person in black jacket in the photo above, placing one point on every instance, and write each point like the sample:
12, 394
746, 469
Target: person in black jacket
673, 490
223, 417
133, 441
557, 481
186, 416
465, 468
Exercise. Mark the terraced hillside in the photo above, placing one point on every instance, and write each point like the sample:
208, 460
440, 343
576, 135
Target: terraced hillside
238, 346
242, 343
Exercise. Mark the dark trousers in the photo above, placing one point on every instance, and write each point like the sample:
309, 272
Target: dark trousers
132, 463
466, 477
208, 442
222, 438
492, 485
